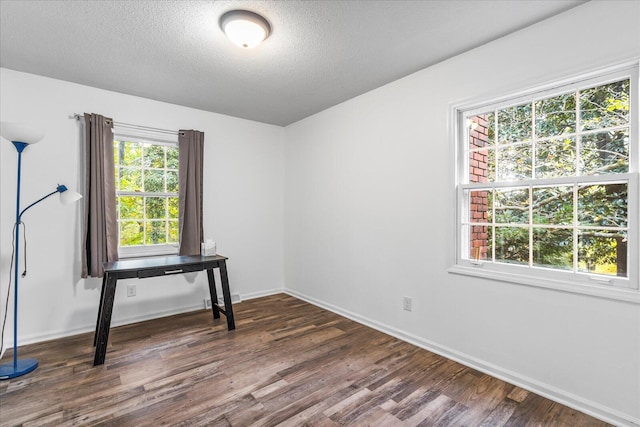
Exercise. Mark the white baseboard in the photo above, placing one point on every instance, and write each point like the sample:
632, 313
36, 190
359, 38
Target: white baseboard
36, 338
548, 391
260, 294
31, 339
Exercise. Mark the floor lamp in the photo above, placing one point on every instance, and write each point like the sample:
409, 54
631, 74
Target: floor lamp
21, 136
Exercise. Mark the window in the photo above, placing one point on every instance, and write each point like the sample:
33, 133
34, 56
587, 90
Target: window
547, 185
146, 175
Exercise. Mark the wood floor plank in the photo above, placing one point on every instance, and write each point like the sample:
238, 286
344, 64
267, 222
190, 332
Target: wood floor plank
433, 410
288, 363
500, 414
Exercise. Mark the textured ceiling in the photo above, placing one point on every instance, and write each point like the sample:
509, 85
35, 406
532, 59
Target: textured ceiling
319, 54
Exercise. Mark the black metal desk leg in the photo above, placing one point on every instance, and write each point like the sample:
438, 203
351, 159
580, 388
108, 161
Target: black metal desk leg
95, 334
226, 295
105, 318
213, 294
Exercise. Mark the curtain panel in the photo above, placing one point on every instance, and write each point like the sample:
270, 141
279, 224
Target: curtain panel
100, 233
190, 183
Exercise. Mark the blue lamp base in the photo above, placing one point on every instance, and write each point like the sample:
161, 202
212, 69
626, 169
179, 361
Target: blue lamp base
23, 366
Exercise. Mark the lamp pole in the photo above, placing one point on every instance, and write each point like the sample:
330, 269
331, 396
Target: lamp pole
24, 366
21, 135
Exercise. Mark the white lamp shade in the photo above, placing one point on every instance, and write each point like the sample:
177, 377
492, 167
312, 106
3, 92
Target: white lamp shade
21, 132
69, 196
244, 28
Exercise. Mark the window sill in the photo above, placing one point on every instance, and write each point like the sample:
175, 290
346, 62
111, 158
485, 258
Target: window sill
600, 291
147, 251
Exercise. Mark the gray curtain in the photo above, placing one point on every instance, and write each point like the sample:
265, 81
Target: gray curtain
190, 155
100, 234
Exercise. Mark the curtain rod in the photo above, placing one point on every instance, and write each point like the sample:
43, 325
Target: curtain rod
78, 116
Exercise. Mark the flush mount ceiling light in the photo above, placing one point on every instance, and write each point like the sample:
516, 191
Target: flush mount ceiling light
244, 28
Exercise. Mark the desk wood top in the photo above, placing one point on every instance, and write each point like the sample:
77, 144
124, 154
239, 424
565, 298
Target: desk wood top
137, 264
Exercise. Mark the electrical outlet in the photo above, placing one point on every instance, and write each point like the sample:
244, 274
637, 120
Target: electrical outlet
406, 303
131, 290
207, 303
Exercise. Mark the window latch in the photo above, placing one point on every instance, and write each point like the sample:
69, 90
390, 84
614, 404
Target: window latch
600, 279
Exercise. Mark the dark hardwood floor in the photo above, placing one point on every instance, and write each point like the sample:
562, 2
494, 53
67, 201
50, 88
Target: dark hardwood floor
288, 363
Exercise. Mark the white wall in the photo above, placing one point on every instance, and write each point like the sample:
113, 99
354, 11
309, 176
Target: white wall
368, 220
243, 207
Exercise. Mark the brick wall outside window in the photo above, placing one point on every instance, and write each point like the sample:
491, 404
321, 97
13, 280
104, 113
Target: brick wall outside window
478, 172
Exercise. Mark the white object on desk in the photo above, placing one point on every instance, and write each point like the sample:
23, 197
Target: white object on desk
208, 248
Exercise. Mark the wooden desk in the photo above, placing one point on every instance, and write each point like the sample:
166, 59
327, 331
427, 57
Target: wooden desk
154, 267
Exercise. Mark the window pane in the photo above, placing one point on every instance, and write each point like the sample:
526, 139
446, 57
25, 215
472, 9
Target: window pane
153, 156
156, 233
491, 127
482, 165
131, 207
154, 181
605, 152
116, 160
172, 182
603, 205
514, 163
479, 206
479, 242
129, 153
556, 116
172, 158
131, 233
479, 131
602, 252
556, 158
173, 207
156, 208
512, 245
146, 167
512, 206
605, 106
553, 205
553, 247
130, 179
514, 124
173, 231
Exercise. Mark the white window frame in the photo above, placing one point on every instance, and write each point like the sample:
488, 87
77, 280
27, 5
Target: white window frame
147, 137
612, 287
